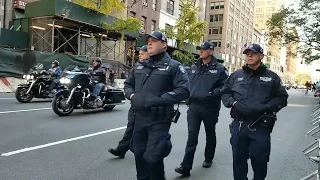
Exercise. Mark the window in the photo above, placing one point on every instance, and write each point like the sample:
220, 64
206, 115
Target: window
132, 14
236, 24
154, 5
258, 4
231, 7
237, 12
143, 20
235, 36
216, 30
240, 39
260, 10
241, 28
153, 25
230, 20
229, 32
271, 8
216, 43
243, 5
167, 26
217, 5
242, 16
180, 12
170, 6
216, 18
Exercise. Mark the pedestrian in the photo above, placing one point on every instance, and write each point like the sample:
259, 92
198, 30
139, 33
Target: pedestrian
255, 95
207, 77
123, 145
153, 88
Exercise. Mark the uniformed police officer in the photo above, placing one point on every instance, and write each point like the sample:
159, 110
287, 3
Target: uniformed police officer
207, 78
153, 88
123, 145
255, 95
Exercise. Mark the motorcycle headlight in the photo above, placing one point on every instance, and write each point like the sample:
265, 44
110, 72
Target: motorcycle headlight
32, 77
65, 81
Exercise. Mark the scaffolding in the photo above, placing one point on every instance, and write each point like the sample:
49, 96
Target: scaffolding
63, 35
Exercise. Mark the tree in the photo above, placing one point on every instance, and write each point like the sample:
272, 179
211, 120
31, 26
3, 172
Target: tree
107, 7
303, 77
286, 24
187, 29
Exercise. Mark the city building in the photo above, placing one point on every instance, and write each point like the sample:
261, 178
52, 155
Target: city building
170, 11
292, 60
261, 39
230, 29
263, 11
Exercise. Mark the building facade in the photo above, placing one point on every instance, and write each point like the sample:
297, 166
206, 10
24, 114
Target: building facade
230, 29
170, 11
291, 70
260, 37
264, 9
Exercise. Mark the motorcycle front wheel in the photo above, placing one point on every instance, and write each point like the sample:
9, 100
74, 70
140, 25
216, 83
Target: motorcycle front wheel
60, 106
22, 96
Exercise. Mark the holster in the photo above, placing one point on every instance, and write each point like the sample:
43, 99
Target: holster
268, 120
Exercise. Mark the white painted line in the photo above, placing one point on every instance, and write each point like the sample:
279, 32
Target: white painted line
24, 110
7, 98
61, 142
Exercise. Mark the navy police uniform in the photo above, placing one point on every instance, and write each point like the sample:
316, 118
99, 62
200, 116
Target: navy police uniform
206, 82
252, 95
124, 144
157, 84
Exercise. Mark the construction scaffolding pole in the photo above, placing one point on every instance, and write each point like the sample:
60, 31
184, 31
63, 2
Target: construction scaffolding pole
52, 38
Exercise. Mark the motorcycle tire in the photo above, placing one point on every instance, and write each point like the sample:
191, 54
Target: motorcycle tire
56, 101
19, 98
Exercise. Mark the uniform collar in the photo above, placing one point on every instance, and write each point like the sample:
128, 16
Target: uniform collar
213, 62
260, 69
159, 60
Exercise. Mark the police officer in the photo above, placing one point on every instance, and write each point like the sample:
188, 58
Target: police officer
99, 77
207, 78
123, 145
255, 95
56, 72
153, 88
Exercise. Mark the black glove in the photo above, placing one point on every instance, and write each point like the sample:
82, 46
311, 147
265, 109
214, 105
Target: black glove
143, 100
151, 100
215, 92
137, 101
243, 108
261, 108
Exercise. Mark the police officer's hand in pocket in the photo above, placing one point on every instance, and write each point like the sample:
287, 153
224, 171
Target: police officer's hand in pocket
143, 100
137, 100
242, 108
151, 100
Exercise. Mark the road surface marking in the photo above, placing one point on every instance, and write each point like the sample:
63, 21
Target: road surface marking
298, 105
23, 110
7, 98
61, 142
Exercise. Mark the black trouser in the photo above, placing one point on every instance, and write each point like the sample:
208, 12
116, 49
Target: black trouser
254, 145
124, 144
150, 145
195, 115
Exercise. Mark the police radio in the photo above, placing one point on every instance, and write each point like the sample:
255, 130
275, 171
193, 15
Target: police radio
176, 115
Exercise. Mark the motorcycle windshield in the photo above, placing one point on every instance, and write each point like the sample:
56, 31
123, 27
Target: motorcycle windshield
75, 68
36, 68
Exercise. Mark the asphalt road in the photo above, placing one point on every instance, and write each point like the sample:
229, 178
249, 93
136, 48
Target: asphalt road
37, 144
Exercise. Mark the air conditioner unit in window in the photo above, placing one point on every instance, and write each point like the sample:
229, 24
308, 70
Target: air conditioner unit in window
145, 4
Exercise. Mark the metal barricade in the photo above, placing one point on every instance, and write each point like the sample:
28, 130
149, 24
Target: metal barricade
315, 146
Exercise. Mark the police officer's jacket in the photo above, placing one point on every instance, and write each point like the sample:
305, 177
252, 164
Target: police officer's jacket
99, 74
56, 72
206, 80
256, 87
161, 76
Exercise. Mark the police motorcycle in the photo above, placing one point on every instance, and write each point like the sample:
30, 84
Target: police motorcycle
37, 82
77, 95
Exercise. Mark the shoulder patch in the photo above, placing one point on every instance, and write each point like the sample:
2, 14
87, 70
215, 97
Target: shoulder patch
182, 70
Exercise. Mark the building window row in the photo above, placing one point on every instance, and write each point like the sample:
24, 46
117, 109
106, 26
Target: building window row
170, 7
216, 18
215, 30
217, 5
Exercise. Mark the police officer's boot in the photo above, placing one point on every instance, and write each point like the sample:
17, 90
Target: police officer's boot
182, 171
206, 164
116, 152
